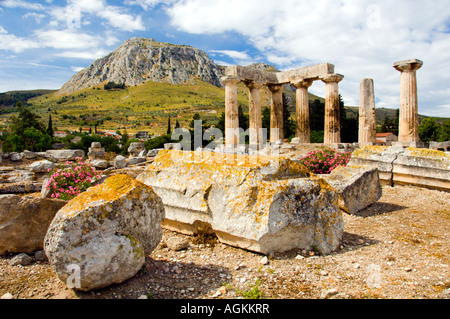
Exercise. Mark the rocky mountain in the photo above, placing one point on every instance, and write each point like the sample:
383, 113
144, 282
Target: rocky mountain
139, 60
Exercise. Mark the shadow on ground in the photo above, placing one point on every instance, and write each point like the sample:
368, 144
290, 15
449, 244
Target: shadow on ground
163, 279
379, 208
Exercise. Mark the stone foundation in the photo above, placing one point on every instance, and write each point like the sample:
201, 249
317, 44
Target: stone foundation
411, 166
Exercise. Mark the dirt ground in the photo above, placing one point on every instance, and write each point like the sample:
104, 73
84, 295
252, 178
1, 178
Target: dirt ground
397, 248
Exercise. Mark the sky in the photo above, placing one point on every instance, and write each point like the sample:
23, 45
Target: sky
44, 43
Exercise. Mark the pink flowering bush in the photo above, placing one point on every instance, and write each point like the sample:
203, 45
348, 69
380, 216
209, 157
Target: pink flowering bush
71, 178
325, 160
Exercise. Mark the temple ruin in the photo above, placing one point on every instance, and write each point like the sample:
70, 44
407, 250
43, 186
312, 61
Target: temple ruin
301, 79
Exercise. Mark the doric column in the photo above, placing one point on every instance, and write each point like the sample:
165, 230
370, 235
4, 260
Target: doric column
231, 110
302, 110
276, 112
367, 120
409, 121
332, 122
254, 104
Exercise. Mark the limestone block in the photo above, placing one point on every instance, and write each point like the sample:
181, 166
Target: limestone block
120, 162
135, 148
260, 203
99, 163
106, 231
41, 166
423, 167
358, 187
64, 155
381, 157
135, 160
24, 221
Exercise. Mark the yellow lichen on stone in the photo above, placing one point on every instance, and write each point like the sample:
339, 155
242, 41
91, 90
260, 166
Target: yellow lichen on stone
368, 150
111, 189
428, 153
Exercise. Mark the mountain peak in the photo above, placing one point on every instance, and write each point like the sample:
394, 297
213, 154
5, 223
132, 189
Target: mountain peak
138, 60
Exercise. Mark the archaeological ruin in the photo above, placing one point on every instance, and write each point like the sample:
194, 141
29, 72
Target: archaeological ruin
301, 79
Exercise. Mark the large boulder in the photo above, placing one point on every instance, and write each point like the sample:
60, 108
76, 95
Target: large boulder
106, 231
24, 221
260, 203
358, 187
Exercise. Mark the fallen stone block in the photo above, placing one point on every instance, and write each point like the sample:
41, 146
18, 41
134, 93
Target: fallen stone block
264, 204
358, 187
20, 188
135, 148
24, 221
105, 232
120, 162
41, 166
424, 168
64, 155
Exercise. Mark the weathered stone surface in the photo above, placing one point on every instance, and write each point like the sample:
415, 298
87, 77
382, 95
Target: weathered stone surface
99, 163
15, 157
135, 148
41, 166
21, 259
20, 188
64, 155
423, 167
120, 162
24, 222
106, 231
412, 166
135, 160
264, 204
358, 187
381, 157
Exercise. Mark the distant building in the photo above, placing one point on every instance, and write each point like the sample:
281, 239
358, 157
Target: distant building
386, 139
142, 134
60, 134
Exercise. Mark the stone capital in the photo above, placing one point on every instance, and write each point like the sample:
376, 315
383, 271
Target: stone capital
253, 84
275, 88
229, 80
302, 83
332, 78
408, 65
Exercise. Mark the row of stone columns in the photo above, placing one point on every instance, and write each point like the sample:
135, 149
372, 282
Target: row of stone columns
332, 123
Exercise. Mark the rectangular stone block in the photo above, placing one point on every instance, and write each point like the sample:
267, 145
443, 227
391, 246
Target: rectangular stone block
423, 167
260, 203
380, 157
358, 187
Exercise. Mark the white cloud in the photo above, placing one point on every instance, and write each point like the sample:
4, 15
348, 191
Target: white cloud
16, 44
148, 4
120, 20
361, 38
83, 55
67, 39
76, 68
21, 4
239, 57
78, 12
33, 15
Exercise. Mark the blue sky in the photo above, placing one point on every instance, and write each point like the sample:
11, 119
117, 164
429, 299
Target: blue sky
43, 43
